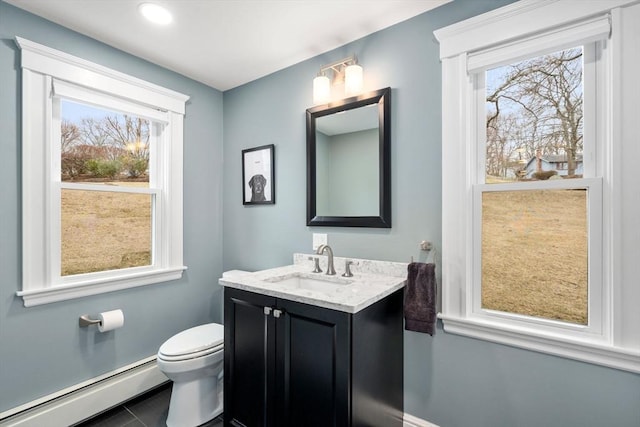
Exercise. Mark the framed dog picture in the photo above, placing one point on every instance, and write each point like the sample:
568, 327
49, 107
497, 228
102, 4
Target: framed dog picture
258, 172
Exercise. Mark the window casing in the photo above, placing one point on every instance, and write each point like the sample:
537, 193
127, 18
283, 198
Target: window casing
48, 77
467, 50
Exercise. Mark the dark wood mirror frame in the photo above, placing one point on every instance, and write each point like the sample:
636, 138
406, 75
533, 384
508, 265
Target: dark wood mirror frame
382, 98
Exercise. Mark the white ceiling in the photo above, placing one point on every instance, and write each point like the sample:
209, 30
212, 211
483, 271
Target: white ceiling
226, 43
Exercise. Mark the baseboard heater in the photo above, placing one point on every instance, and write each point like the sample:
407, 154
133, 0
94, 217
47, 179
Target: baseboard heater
81, 401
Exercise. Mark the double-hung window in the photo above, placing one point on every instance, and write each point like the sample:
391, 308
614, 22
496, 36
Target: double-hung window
537, 189
530, 169
102, 178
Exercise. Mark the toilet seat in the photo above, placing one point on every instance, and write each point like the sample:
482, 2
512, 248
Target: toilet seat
195, 342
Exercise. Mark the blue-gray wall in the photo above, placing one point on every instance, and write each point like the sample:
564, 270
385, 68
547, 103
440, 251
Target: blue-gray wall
42, 350
449, 380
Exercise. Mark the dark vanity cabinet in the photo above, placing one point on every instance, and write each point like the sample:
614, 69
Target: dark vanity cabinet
291, 364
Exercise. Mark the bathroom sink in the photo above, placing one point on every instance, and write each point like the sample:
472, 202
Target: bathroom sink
372, 281
312, 282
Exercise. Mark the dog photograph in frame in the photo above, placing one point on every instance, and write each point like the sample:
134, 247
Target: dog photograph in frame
258, 172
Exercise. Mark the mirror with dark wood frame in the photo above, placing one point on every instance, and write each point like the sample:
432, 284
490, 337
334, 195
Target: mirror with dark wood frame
349, 162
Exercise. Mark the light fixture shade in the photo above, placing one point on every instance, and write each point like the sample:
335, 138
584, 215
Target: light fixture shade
353, 80
321, 90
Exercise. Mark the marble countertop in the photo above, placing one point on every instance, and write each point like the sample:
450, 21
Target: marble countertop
372, 281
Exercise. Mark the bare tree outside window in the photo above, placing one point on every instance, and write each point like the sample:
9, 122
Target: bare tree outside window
535, 118
108, 145
104, 230
535, 241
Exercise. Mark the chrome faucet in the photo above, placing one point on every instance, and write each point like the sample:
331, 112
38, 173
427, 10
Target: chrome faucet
326, 248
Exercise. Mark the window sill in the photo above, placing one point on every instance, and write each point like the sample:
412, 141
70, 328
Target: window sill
79, 290
590, 352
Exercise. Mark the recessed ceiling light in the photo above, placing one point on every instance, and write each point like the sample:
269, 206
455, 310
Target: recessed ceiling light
155, 13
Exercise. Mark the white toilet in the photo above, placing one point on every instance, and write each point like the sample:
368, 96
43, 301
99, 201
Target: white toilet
193, 360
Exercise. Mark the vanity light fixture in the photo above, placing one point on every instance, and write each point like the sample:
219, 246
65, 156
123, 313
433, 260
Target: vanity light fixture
353, 80
345, 71
155, 13
321, 89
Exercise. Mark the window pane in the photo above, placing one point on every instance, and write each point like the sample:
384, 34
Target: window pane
535, 254
534, 119
104, 231
99, 145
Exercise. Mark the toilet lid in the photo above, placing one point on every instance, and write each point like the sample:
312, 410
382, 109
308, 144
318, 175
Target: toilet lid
197, 339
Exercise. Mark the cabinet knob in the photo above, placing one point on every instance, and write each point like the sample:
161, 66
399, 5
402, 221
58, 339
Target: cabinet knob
277, 313
267, 311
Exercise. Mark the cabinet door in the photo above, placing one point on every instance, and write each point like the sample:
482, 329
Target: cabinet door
249, 359
313, 368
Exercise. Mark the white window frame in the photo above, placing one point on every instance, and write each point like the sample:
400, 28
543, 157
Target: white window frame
525, 29
48, 75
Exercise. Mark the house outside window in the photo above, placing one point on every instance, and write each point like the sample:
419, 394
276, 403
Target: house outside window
531, 180
102, 178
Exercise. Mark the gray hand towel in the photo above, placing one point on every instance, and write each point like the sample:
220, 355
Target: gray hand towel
420, 298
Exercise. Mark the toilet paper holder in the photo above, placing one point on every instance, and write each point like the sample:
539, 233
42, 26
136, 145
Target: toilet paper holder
85, 321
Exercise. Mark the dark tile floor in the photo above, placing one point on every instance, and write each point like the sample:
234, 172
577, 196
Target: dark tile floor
148, 410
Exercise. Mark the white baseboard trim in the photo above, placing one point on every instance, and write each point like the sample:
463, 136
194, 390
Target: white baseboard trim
411, 421
81, 401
